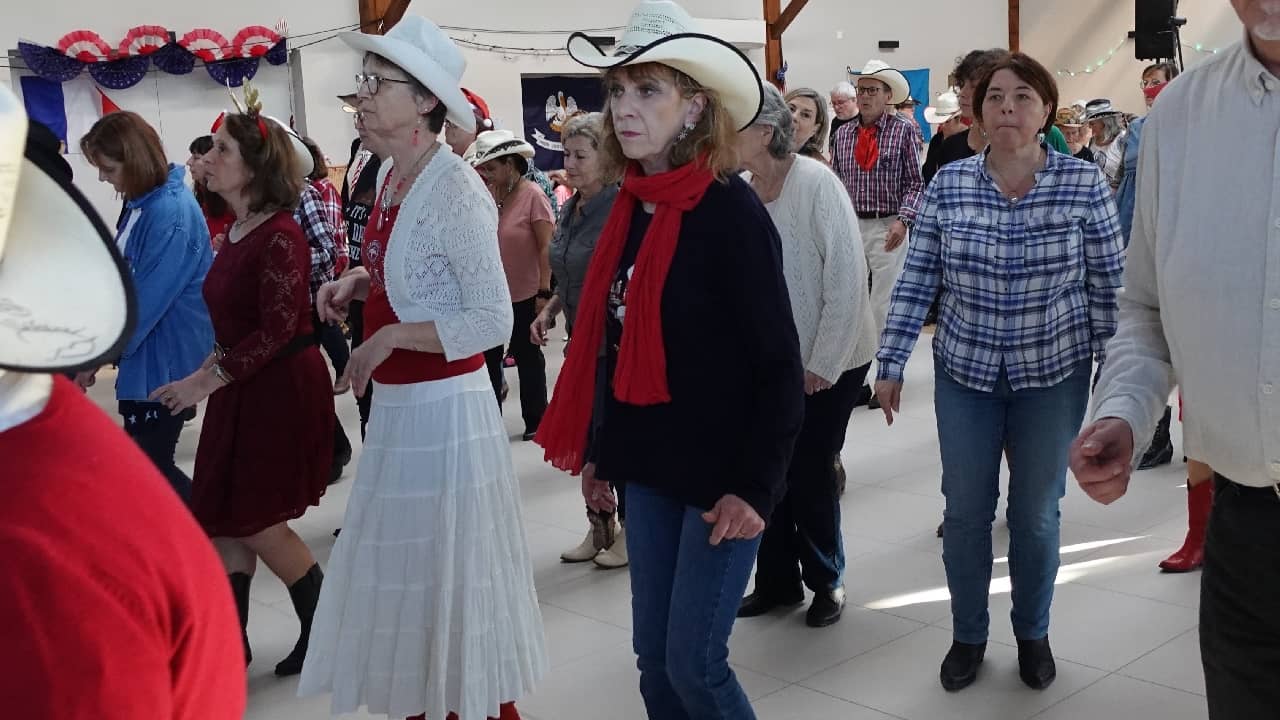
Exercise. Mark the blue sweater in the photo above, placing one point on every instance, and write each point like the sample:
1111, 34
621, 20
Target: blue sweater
169, 254
1128, 191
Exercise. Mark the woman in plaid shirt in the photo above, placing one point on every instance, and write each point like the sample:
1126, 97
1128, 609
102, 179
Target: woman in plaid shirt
1025, 245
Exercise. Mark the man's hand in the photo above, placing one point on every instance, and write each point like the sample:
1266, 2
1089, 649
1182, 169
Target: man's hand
896, 236
1102, 459
889, 393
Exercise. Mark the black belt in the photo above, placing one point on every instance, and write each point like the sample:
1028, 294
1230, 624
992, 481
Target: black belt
875, 215
1267, 492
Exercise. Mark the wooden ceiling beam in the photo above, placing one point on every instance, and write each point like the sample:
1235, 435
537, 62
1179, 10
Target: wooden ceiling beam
379, 16
1015, 25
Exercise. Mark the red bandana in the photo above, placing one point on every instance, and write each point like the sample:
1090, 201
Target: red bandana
641, 375
868, 149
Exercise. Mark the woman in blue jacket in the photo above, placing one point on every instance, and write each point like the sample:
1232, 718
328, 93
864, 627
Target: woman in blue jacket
164, 239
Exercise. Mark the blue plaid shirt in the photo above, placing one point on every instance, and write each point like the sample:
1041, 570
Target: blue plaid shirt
1027, 285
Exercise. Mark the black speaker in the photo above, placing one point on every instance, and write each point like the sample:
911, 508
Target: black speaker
1154, 35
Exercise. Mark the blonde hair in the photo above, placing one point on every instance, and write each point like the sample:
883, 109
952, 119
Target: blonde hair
591, 126
714, 136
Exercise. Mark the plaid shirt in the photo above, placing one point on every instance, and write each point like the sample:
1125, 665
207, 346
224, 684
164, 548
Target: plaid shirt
319, 229
894, 184
1029, 285
331, 203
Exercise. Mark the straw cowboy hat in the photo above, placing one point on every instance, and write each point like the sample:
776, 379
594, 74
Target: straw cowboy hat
66, 302
943, 109
423, 50
349, 102
493, 144
899, 88
660, 31
1069, 117
306, 162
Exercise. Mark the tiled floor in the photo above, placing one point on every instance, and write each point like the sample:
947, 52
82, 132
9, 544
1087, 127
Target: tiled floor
1125, 635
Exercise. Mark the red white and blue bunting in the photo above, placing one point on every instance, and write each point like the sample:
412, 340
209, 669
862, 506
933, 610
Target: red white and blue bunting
228, 62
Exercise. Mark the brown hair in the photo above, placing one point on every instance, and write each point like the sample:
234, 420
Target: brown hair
125, 138
715, 134
1029, 71
275, 178
1169, 69
813, 147
319, 170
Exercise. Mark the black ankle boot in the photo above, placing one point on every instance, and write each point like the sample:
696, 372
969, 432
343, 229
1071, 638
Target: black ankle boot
960, 666
1035, 663
304, 593
240, 591
1161, 450
759, 603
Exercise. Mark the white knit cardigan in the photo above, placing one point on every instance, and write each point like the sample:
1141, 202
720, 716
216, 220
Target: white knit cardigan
826, 270
442, 263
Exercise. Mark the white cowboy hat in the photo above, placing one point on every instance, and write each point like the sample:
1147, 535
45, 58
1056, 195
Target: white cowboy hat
424, 51
899, 88
306, 162
493, 144
660, 31
66, 302
943, 109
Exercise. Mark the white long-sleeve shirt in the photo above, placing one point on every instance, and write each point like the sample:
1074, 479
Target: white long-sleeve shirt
1201, 298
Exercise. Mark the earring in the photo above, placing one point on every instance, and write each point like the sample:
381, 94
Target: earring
416, 132
684, 132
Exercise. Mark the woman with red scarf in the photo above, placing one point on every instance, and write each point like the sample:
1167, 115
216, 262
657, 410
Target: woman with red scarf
688, 269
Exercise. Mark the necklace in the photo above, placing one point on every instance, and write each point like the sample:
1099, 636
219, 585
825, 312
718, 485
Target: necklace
507, 195
385, 206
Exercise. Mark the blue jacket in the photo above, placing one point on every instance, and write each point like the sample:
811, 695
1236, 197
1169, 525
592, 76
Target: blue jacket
169, 254
1128, 190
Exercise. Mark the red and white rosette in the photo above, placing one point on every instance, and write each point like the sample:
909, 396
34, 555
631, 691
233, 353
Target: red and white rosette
208, 45
85, 45
143, 40
254, 41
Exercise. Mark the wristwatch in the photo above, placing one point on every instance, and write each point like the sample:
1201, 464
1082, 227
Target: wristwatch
543, 295
905, 221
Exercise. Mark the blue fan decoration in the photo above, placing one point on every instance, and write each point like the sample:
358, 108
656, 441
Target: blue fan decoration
233, 73
48, 63
120, 74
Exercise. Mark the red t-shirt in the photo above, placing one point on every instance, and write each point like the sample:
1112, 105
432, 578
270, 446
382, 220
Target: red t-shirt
402, 367
113, 603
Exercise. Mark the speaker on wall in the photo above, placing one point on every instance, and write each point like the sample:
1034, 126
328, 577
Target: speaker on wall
1155, 30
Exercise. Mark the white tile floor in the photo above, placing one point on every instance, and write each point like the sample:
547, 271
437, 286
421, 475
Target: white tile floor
1125, 635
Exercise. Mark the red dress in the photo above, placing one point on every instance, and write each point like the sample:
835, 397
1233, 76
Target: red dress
114, 603
267, 443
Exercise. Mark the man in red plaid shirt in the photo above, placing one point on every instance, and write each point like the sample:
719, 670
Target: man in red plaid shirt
878, 159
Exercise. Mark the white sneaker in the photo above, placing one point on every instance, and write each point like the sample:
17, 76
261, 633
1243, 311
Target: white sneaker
615, 556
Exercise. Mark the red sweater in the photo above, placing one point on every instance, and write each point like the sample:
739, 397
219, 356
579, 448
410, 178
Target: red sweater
113, 603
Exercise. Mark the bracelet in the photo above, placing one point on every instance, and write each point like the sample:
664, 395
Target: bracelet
222, 374
218, 352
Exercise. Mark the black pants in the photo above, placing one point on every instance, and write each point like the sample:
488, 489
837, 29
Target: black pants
804, 532
355, 322
156, 432
335, 345
1240, 603
530, 365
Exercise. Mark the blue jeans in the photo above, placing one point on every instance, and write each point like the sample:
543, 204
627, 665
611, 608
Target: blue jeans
684, 600
1034, 429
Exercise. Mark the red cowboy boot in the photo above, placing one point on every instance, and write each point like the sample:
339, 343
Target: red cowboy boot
507, 712
1191, 555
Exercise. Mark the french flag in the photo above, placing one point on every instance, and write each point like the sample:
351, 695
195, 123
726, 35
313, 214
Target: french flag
68, 109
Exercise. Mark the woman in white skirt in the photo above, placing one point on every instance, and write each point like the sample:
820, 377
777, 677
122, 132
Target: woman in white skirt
429, 604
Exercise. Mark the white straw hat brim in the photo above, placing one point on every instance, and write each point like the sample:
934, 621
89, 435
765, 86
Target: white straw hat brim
424, 69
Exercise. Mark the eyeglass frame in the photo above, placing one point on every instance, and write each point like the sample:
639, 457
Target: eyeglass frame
871, 90
373, 82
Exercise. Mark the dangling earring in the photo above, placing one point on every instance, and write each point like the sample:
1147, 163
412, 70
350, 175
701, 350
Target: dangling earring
416, 132
684, 132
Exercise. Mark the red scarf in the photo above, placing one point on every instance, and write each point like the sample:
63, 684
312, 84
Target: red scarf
868, 150
641, 375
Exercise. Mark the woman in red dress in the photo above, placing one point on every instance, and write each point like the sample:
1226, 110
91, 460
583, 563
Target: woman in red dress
267, 438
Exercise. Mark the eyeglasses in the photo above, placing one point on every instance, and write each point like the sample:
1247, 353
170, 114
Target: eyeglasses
869, 90
373, 82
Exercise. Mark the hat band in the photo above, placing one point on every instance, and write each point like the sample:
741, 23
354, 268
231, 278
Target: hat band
500, 147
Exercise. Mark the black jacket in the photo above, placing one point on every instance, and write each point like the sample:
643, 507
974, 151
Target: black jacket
733, 367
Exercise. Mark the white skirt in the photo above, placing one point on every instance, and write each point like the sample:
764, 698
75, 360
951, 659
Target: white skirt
428, 604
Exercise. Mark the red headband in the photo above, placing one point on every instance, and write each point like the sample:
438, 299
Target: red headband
262, 126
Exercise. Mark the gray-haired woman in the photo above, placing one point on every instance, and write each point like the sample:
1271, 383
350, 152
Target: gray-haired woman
827, 282
811, 120
581, 222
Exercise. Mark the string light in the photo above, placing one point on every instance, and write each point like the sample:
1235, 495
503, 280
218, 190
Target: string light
1095, 67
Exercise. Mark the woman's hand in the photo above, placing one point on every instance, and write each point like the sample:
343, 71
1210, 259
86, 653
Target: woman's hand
814, 383
365, 359
334, 297
733, 519
597, 493
187, 392
889, 393
541, 324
